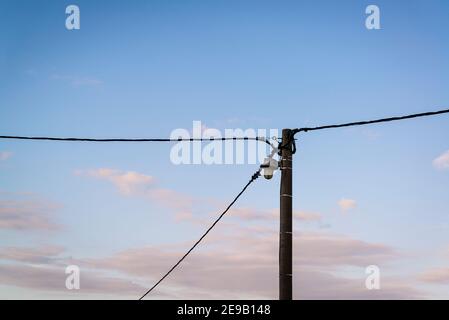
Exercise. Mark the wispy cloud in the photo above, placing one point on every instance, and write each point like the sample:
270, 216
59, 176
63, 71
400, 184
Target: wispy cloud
127, 182
442, 162
43, 268
243, 258
180, 202
249, 213
52, 278
143, 185
5, 155
243, 251
347, 204
27, 215
437, 276
77, 81
240, 254
38, 255
138, 184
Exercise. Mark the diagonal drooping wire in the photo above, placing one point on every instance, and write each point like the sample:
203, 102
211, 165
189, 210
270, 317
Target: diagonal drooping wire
253, 178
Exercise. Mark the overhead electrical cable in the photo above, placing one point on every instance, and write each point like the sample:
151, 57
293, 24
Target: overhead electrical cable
253, 178
362, 123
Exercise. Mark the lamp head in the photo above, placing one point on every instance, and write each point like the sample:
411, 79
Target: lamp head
269, 167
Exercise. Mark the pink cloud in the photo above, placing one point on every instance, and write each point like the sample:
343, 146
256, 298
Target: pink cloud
5, 155
243, 255
40, 255
138, 184
51, 278
43, 268
127, 183
347, 204
437, 276
249, 213
306, 216
26, 215
246, 262
133, 183
172, 199
442, 162
243, 258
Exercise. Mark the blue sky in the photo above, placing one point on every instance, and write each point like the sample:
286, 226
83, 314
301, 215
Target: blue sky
145, 68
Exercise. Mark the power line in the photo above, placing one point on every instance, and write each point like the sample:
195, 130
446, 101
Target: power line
253, 178
211, 139
263, 139
275, 149
361, 123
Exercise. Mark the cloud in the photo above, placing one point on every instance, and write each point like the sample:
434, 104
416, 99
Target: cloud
306, 216
245, 259
442, 162
5, 155
310, 284
26, 215
77, 81
347, 204
248, 213
42, 268
328, 249
245, 256
53, 279
127, 183
437, 276
134, 183
247, 265
39, 255
172, 199
138, 184
240, 214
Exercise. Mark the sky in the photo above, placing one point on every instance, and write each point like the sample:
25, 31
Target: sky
124, 213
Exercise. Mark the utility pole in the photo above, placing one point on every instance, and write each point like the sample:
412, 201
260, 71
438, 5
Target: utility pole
286, 219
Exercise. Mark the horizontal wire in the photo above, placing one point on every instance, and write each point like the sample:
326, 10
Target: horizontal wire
262, 139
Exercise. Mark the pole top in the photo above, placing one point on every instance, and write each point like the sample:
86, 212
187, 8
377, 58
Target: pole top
288, 141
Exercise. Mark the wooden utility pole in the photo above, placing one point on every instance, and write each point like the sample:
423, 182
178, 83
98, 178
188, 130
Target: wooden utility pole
286, 220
